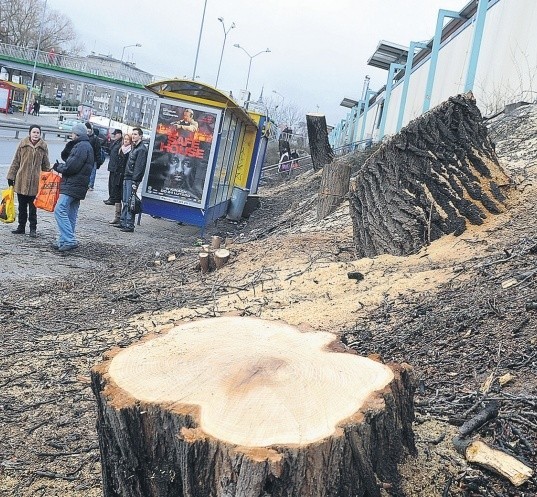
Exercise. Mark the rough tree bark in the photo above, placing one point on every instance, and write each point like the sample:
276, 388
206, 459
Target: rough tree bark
241, 407
334, 186
320, 149
435, 176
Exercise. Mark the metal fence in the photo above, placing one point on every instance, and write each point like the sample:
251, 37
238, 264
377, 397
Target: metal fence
61, 62
16, 129
305, 162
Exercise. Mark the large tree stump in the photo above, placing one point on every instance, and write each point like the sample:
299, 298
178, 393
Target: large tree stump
320, 149
435, 176
243, 407
334, 186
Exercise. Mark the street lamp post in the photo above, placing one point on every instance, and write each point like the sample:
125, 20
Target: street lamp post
280, 95
115, 89
27, 110
251, 58
226, 31
128, 46
199, 42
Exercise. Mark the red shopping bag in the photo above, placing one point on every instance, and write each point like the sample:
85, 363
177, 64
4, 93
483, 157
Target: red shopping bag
49, 190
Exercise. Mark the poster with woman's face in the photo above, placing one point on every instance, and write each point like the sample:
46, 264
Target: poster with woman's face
182, 152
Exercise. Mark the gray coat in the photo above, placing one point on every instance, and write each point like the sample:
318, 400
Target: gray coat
77, 169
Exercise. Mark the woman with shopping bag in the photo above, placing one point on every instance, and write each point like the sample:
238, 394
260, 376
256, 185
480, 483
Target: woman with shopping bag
30, 159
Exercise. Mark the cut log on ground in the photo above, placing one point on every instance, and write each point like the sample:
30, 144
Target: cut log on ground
334, 186
221, 256
433, 178
215, 242
204, 261
320, 149
242, 407
495, 460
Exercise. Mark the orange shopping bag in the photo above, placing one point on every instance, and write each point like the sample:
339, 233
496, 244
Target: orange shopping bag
49, 190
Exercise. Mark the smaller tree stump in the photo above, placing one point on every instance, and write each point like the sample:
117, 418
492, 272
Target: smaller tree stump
215, 242
242, 407
221, 256
334, 187
320, 149
204, 261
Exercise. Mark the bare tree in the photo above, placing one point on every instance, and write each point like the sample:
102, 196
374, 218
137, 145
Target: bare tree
285, 114
20, 22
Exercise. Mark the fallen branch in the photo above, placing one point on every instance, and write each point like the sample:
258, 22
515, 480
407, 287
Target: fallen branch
495, 460
486, 414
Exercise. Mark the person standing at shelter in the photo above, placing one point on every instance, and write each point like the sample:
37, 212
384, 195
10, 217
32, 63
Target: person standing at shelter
134, 173
37, 106
75, 172
118, 175
96, 145
31, 157
115, 145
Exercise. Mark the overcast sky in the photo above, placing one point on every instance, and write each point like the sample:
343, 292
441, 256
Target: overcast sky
318, 49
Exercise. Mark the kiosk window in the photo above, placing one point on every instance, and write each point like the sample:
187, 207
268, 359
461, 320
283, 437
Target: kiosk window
228, 162
225, 142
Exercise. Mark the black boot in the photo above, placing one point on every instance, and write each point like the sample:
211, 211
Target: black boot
33, 233
20, 230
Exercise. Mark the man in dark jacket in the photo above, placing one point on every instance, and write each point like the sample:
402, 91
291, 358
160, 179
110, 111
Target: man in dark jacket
117, 137
134, 173
75, 172
96, 145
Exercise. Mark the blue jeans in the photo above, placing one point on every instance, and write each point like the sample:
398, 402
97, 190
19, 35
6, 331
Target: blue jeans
127, 218
92, 177
66, 213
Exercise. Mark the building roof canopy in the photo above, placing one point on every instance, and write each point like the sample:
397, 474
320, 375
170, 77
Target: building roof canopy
386, 53
349, 103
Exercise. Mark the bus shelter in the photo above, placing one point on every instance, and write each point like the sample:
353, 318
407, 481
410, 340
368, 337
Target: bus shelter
203, 145
12, 95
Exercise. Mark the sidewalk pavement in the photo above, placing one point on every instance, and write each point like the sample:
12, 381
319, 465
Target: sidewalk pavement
24, 257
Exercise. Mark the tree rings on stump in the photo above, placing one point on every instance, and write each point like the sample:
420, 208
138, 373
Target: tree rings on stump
238, 406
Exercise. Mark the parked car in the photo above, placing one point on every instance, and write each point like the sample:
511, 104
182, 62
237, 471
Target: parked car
105, 136
66, 125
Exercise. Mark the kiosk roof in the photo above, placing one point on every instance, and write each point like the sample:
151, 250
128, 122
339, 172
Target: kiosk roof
196, 91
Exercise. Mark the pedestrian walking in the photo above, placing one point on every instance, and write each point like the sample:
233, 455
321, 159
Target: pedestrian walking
31, 157
75, 172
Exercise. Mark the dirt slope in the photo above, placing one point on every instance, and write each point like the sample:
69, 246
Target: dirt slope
444, 310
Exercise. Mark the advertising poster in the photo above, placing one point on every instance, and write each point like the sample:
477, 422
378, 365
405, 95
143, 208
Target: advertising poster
182, 149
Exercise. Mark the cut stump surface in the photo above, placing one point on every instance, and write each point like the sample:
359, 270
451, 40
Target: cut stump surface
235, 406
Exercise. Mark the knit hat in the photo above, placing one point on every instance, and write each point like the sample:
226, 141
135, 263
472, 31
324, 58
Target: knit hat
79, 129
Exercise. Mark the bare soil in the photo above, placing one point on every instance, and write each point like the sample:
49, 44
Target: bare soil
460, 312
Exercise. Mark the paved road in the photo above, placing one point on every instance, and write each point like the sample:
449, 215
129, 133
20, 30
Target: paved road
22, 257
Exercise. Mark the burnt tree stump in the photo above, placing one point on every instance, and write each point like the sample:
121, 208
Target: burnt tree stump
242, 407
433, 178
320, 149
334, 186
